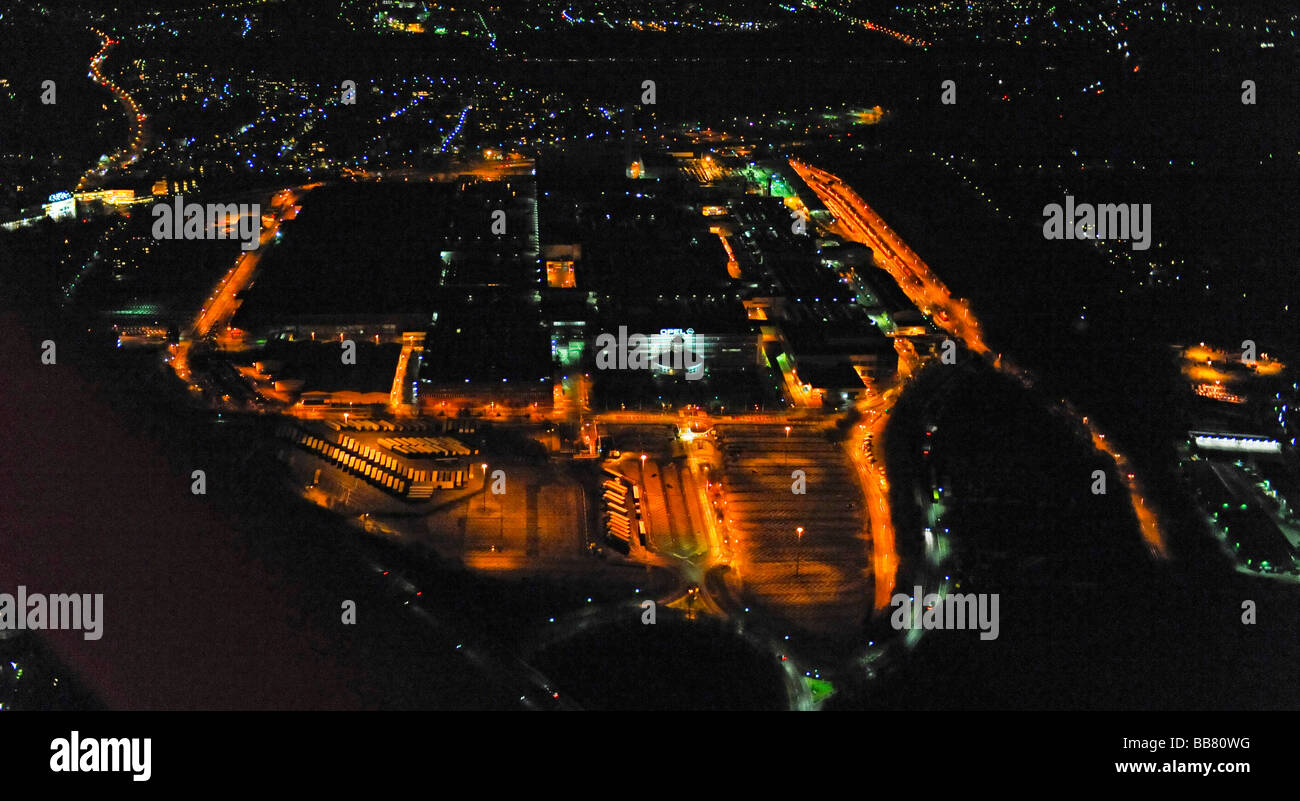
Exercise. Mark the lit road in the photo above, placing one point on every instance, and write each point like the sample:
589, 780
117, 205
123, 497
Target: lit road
138, 136
914, 277
860, 223
875, 485
222, 304
488, 170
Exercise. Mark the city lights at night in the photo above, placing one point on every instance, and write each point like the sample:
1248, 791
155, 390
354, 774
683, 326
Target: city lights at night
920, 361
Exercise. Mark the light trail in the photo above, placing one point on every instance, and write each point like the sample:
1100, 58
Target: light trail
137, 136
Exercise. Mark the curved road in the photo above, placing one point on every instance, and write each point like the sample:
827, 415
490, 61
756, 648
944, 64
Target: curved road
121, 158
915, 278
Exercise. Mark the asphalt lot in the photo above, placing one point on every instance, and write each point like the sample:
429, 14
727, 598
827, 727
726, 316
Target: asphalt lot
820, 581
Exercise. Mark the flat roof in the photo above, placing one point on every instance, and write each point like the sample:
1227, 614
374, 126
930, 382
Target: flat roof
388, 248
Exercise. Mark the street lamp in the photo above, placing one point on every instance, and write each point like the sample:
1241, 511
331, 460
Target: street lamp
485, 485
787, 447
798, 551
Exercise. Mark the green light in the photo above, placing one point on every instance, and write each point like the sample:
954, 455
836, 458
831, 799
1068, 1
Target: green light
140, 310
820, 688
